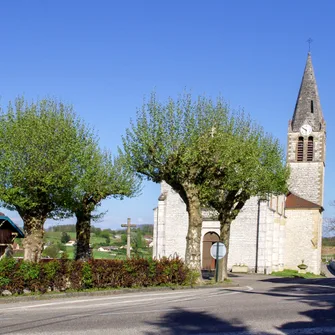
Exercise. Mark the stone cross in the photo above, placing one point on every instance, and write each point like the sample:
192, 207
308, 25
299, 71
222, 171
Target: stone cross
128, 225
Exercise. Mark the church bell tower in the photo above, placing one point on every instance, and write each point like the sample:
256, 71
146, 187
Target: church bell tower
306, 147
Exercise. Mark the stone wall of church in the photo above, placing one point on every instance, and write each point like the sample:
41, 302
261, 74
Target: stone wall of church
243, 236
172, 224
303, 239
306, 180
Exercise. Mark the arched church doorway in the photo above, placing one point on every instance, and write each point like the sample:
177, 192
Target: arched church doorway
208, 262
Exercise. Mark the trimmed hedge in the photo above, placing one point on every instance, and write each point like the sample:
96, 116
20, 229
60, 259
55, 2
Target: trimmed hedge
63, 274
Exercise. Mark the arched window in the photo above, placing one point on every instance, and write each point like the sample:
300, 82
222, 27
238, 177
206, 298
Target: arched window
310, 149
300, 149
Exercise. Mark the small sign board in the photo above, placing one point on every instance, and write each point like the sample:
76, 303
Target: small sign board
218, 250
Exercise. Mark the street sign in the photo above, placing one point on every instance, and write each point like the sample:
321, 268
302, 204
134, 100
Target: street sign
218, 250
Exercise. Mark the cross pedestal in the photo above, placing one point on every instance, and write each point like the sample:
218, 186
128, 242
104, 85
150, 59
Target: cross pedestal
128, 226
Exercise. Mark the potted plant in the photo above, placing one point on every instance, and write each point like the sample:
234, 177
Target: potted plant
302, 267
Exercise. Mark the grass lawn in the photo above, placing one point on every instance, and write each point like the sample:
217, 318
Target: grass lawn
114, 254
295, 274
55, 236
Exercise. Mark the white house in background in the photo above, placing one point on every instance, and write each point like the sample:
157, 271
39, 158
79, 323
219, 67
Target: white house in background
104, 249
270, 235
70, 243
109, 248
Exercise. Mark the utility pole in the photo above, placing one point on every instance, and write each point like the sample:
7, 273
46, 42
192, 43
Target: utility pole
128, 226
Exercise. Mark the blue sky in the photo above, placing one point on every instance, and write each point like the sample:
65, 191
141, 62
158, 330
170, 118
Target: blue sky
103, 57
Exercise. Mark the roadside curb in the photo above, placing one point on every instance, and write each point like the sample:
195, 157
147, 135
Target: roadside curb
107, 292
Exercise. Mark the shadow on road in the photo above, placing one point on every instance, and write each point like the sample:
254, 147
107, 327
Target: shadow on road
181, 321
318, 294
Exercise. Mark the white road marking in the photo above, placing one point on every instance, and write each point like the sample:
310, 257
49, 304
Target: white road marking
184, 295
93, 299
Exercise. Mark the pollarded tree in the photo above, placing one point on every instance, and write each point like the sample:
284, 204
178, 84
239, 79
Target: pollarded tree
39, 148
165, 144
101, 177
244, 162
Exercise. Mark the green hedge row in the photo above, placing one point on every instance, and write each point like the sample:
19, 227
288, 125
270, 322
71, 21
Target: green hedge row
62, 274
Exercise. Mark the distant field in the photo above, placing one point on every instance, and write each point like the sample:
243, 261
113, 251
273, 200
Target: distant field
95, 241
328, 250
118, 254
56, 236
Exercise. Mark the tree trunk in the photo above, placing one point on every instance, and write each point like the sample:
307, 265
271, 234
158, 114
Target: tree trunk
83, 231
193, 238
33, 241
224, 237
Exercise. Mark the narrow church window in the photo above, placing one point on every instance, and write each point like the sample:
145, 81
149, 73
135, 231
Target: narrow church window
300, 149
312, 106
310, 148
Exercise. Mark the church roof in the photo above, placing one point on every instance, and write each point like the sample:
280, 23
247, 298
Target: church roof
308, 107
294, 201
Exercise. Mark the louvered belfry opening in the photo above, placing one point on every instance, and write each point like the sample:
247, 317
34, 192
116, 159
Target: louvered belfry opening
300, 151
310, 149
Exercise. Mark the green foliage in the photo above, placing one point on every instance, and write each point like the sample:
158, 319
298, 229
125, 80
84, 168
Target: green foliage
106, 236
29, 270
61, 275
208, 154
87, 275
163, 144
294, 274
52, 251
7, 266
328, 241
102, 176
68, 228
96, 231
65, 237
147, 229
41, 148
137, 241
192, 278
40, 144
124, 238
242, 161
51, 269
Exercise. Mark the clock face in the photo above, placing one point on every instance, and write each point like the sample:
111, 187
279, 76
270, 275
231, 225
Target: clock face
305, 130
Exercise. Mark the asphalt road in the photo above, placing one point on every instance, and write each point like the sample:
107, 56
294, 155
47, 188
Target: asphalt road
259, 305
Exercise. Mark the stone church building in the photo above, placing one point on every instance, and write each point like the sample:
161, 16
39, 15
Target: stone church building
270, 235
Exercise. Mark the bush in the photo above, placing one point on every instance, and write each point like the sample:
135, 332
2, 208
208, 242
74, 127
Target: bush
64, 274
52, 251
65, 237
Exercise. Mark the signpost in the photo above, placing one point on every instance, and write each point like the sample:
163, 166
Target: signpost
128, 225
218, 251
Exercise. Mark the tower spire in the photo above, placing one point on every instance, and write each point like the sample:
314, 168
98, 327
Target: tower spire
308, 108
